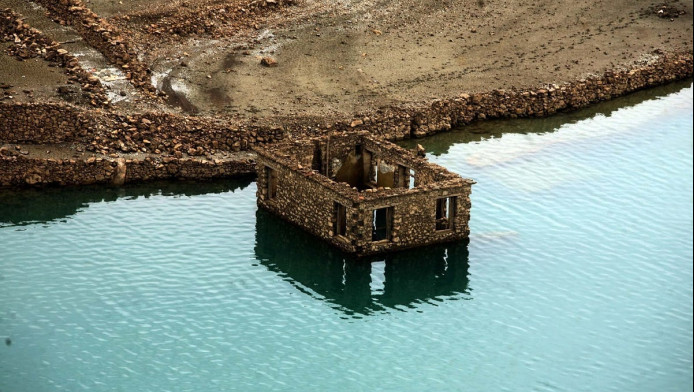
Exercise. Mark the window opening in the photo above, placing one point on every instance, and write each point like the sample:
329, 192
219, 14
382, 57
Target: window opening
445, 213
403, 182
340, 223
405, 177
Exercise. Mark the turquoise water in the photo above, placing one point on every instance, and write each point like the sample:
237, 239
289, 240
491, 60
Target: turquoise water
577, 277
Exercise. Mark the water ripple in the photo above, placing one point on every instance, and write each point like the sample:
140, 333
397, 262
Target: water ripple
578, 277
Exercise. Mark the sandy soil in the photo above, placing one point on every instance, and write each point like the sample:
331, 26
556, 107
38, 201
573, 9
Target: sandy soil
337, 57
29, 79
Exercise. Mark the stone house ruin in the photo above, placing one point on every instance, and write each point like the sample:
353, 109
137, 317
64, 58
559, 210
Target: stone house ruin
362, 194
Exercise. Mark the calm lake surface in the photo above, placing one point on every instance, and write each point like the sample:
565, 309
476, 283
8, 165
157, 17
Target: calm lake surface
577, 277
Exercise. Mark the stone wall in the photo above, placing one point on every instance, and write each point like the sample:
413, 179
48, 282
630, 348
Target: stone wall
40, 123
442, 115
304, 200
414, 219
107, 132
20, 171
337, 149
178, 135
189, 168
104, 37
184, 135
209, 18
17, 170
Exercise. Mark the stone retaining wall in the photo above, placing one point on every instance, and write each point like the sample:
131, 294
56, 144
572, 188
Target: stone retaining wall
441, 115
17, 170
178, 135
104, 37
42, 123
107, 132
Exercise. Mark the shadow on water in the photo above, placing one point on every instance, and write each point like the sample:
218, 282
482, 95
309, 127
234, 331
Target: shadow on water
440, 143
398, 281
20, 207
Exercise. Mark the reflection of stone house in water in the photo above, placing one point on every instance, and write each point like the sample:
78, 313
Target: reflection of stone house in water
362, 194
397, 281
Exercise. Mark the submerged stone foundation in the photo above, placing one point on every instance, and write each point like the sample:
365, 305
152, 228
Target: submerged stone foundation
363, 194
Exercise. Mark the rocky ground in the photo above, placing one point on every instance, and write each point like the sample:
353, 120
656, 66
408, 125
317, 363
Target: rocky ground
342, 56
349, 56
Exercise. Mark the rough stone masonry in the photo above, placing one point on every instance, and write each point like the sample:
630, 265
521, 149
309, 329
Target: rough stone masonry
363, 194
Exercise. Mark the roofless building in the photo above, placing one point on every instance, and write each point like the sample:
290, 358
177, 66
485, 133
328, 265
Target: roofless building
362, 194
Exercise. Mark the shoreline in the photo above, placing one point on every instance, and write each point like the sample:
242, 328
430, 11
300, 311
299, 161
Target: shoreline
116, 149
258, 72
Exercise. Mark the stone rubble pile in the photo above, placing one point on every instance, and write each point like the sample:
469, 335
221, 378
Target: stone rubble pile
197, 19
666, 11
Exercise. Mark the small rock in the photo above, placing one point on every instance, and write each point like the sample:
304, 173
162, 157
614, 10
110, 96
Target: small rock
421, 152
268, 62
31, 179
356, 123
